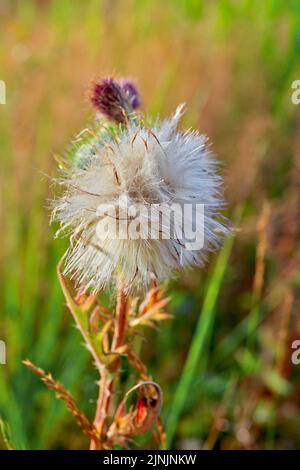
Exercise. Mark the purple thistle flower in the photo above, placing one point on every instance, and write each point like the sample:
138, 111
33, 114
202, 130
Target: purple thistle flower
132, 93
108, 97
115, 100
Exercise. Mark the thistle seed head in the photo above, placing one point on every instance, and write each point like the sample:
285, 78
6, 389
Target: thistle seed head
133, 166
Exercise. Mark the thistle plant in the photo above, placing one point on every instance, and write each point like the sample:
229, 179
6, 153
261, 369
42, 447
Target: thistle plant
131, 186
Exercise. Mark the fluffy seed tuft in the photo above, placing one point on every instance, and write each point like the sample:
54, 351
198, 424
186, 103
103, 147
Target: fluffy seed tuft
137, 166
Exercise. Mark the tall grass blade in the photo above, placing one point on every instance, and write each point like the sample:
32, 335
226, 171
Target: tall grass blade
199, 340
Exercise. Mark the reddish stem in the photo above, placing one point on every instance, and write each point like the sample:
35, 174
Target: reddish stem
106, 383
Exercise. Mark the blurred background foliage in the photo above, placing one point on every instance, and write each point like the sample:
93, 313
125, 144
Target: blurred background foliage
224, 362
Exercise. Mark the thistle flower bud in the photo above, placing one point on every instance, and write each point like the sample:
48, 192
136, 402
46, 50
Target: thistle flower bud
114, 101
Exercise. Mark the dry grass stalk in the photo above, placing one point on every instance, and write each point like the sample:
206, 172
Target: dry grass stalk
66, 397
261, 250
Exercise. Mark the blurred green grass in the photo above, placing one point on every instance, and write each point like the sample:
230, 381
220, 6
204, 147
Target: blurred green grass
233, 62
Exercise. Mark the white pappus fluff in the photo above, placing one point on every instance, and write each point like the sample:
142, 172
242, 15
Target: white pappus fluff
145, 166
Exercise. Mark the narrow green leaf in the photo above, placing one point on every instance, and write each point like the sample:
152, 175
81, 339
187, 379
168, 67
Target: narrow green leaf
199, 339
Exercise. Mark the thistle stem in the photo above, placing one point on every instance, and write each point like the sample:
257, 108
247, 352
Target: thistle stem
103, 402
121, 317
108, 378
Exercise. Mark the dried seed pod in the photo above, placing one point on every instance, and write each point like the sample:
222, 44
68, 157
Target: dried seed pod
141, 417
